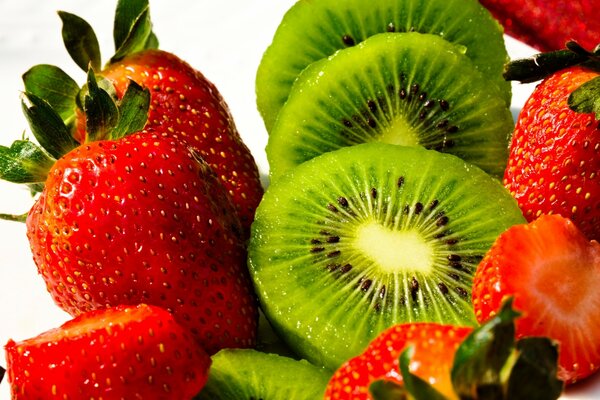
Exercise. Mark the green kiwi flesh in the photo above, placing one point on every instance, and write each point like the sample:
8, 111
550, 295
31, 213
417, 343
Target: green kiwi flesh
250, 374
312, 30
400, 88
358, 239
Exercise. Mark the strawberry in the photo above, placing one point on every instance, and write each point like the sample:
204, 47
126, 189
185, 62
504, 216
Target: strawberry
434, 348
553, 166
183, 101
548, 24
117, 353
430, 361
553, 273
133, 217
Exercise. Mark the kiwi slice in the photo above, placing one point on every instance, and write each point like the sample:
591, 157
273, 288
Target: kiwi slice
315, 29
400, 88
358, 239
250, 374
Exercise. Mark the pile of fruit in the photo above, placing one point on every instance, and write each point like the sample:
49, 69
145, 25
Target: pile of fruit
413, 243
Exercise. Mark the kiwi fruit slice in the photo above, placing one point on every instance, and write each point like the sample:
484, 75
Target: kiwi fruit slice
358, 239
400, 88
315, 29
250, 374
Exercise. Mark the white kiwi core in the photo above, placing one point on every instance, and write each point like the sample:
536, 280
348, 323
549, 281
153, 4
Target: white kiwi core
392, 250
399, 132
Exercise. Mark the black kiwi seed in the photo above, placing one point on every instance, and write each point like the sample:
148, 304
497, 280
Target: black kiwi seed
394, 250
348, 40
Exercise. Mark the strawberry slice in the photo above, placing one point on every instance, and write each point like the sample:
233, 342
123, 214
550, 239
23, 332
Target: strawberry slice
116, 353
553, 273
434, 348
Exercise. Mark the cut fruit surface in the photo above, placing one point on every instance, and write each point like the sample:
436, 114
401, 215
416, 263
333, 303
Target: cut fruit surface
250, 374
391, 89
312, 30
355, 240
553, 272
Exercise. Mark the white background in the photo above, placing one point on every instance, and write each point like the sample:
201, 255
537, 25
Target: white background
224, 39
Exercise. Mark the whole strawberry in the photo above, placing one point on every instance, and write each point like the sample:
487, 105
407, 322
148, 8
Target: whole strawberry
553, 166
116, 353
133, 218
183, 102
548, 24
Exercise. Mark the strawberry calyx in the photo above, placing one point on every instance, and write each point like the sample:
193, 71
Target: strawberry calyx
489, 364
132, 32
107, 118
586, 98
542, 65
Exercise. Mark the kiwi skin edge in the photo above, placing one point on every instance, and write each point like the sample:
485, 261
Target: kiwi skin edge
326, 299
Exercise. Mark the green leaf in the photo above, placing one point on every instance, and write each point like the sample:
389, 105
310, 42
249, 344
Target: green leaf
133, 110
387, 390
102, 114
55, 86
24, 162
126, 16
47, 126
586, 98
133, 28
80, 41
418, 388
479, 360
533, 376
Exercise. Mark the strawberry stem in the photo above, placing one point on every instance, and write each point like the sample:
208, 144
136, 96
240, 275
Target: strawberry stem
15, 218
541, 65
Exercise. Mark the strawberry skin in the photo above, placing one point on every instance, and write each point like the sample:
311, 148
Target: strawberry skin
117, 353
553, 273
548, 24
143, 220
434, 344
189, 107
553, 166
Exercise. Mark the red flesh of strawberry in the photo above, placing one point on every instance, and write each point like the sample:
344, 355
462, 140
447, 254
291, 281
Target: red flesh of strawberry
141, 220
121, 353
434, 344
553, 273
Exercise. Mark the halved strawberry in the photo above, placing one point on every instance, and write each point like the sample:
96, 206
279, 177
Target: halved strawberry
553, 273
116, 353
429, 361
434, 348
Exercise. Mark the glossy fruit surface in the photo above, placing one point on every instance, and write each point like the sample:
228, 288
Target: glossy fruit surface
118, 353
553, 273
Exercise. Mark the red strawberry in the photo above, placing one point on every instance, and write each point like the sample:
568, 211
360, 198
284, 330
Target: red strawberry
553, 273
116, 353
143, 220
434, 344
548, 24
183, 101
553, 166
439, 362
